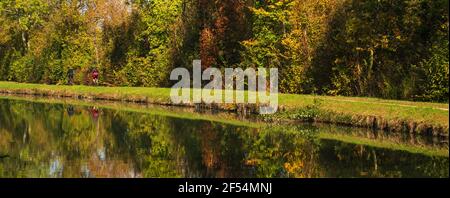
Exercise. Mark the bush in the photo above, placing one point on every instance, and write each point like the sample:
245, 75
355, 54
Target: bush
141, 71
22, 69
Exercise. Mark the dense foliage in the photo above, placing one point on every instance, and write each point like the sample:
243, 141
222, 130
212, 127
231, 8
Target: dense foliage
379, 48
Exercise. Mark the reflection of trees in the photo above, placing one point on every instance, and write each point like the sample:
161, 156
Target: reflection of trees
341, 159
283, 152
27, 142
212, 149
55, 141
147, 139
45, 140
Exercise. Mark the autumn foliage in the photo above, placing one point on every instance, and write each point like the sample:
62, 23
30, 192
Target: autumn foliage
377, 48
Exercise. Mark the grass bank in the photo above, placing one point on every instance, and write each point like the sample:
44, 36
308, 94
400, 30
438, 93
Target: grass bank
388, 115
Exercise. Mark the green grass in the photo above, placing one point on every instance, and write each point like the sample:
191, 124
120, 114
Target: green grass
421, 112
432, 113
162, 94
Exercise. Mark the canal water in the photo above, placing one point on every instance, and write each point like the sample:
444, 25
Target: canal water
41, 138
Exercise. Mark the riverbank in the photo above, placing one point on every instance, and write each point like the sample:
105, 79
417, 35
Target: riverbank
387, 115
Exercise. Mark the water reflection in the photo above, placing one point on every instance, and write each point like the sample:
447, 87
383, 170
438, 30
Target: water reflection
56, 140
